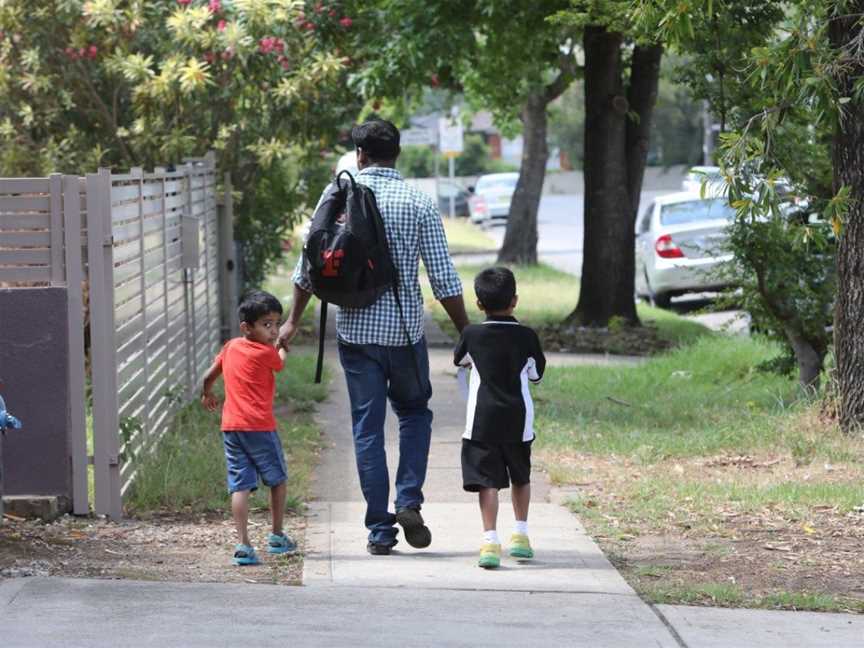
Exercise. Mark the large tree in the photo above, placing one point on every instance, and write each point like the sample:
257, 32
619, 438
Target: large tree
507, 57
810, 72
621, 80
846, 35
125, 83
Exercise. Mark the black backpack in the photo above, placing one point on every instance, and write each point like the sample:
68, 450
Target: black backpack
346, 257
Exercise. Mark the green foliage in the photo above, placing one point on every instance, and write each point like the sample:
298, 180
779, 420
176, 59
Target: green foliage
775, 88
123, 83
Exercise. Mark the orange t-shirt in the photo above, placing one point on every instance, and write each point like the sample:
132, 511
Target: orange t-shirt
247, 369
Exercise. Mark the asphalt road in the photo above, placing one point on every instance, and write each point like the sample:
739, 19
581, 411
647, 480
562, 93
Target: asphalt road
561, 224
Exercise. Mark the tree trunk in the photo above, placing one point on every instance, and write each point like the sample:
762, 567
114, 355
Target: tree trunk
810, 361
849, 172
520, 239
607, 275
642, 97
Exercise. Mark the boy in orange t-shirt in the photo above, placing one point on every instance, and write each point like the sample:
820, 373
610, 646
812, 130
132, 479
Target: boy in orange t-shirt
252, 445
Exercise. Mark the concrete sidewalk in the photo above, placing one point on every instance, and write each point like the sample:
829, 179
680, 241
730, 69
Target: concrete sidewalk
571, 592
570, 595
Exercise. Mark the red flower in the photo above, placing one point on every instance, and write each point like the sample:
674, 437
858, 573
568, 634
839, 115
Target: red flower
209, 57
215, 6
184, 2
319, 8
221, 25
346, 22
332, 13
433, 81
93, 51
309, 26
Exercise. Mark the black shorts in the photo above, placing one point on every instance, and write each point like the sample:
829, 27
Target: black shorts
495, 465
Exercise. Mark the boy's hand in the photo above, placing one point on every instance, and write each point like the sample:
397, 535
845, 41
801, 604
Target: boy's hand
208, 400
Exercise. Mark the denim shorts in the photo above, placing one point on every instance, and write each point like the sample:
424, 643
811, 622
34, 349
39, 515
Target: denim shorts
250, 454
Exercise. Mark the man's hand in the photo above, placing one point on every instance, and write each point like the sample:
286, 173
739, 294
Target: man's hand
209, 401
286, 334
292, 322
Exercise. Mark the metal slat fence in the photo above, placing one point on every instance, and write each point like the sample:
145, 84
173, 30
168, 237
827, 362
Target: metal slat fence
149, 268
154, 265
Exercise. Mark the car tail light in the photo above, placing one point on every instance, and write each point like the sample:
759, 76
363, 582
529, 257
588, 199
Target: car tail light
667, 249
478, 204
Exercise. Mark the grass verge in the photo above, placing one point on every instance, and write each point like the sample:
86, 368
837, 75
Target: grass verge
547, 296
187, 470
708, 482
463, 237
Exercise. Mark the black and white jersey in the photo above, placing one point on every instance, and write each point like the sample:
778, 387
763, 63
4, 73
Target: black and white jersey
505, 356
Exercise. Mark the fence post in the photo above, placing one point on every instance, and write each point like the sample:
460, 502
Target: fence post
188, 282
145, 430
75, 301
227, 264
55, 182
160, 171
100, 255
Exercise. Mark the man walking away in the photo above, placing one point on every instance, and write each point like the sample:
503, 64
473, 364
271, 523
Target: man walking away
374, 350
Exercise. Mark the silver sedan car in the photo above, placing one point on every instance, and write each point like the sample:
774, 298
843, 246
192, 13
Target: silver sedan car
680, 246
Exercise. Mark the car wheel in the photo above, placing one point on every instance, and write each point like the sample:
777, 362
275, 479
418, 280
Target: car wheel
661, 300
657, 299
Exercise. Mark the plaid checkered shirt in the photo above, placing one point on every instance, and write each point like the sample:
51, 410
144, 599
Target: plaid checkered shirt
414, 232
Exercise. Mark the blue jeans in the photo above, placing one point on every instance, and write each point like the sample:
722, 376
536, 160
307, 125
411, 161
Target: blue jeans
375, 373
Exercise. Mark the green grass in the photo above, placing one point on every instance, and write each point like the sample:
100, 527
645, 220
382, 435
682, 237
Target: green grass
715, 594
699, 399
464, 237
187, 470
731, 595
655, 500
547, 296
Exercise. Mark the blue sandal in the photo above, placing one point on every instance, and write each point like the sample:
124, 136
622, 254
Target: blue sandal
281, 544
245, 555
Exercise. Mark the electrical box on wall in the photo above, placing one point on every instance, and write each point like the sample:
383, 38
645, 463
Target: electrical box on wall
191, 241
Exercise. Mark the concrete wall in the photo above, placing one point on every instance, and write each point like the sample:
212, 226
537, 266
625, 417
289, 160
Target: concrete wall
33, 368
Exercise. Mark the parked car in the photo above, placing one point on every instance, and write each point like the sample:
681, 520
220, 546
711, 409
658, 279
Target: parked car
491, 197
698, 174
680, 246
460, 199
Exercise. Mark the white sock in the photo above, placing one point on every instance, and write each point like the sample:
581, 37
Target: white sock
491, 537
521, 527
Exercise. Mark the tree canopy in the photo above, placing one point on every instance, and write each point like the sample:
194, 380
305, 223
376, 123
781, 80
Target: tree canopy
125, 83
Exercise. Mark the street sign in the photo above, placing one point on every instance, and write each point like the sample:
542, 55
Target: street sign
418, 137
450, 136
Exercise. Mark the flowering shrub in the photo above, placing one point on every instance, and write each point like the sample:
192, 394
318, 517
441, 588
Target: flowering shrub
123, 83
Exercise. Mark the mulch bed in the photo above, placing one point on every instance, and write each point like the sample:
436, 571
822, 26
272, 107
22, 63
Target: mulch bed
621, 340
182, 547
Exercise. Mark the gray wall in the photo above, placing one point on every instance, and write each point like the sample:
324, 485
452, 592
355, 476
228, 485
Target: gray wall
33, 368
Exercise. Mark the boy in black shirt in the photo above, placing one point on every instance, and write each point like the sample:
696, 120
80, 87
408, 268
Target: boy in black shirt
496, 445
